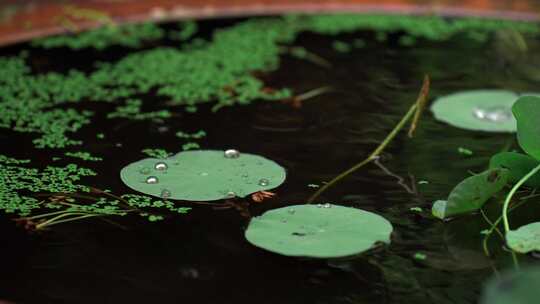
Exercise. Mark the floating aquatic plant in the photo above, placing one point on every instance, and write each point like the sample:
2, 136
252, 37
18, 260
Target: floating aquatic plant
318, 231
484, 110
203, 175
516, 168
525, 239
471, 194
518, 164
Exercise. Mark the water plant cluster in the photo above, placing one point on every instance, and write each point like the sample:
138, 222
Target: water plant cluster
52, 108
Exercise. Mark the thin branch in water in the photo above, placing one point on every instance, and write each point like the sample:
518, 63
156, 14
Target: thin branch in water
420, 105
400, 180
378, 150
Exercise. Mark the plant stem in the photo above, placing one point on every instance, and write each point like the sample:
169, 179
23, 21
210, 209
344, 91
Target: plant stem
313, 93
40, 226
511, 194
415, 109
68, 213
374, 155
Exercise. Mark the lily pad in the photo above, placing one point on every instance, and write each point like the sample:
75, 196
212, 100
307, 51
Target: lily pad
525, 239
203, 175
519, 165
482, 110
527, 113
516, 287
472, 193
318, 231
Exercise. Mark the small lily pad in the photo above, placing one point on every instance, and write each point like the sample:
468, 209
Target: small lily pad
515, 287
471, 194
525, 239
203, 175
527, 113
518, 164
318, 231
482, 110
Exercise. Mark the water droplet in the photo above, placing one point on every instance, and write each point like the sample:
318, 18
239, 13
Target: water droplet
232, 153
165, 194
264, 182
144, 170
319, 205
161, 166
493, 114
291, 211
283, 220
230, 194
327, 205
204, 174
245, 175
152, 180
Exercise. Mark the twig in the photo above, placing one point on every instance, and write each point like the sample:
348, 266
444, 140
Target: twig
379, 149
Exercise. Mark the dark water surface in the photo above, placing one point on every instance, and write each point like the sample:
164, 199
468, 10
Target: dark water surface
202, 257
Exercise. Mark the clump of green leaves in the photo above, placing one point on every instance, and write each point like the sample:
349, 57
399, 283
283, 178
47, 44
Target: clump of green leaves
84, 156
128, 35
54, 195
517, 168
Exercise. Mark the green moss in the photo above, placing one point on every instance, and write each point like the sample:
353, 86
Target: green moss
17, 184
190, 146
156, 153
132, 110
84, 156
217, 70
428, 27
129, 35
197, 135
186, 31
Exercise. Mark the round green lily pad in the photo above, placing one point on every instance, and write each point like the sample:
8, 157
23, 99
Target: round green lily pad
525, 239
515, 287
203, 175
483, 110
318, 231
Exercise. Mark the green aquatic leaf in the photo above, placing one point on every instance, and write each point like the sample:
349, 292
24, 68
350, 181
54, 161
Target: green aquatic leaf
518, 164
483, 110
525, 239
516, 287
203, 175
471, 194
318, 231
527, 113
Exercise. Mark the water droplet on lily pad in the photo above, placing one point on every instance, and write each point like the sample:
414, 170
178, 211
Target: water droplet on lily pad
205, 174
344, 233
152, 180
493, 114
161, 166
232, 153
264, 182
230, 194
327, 205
